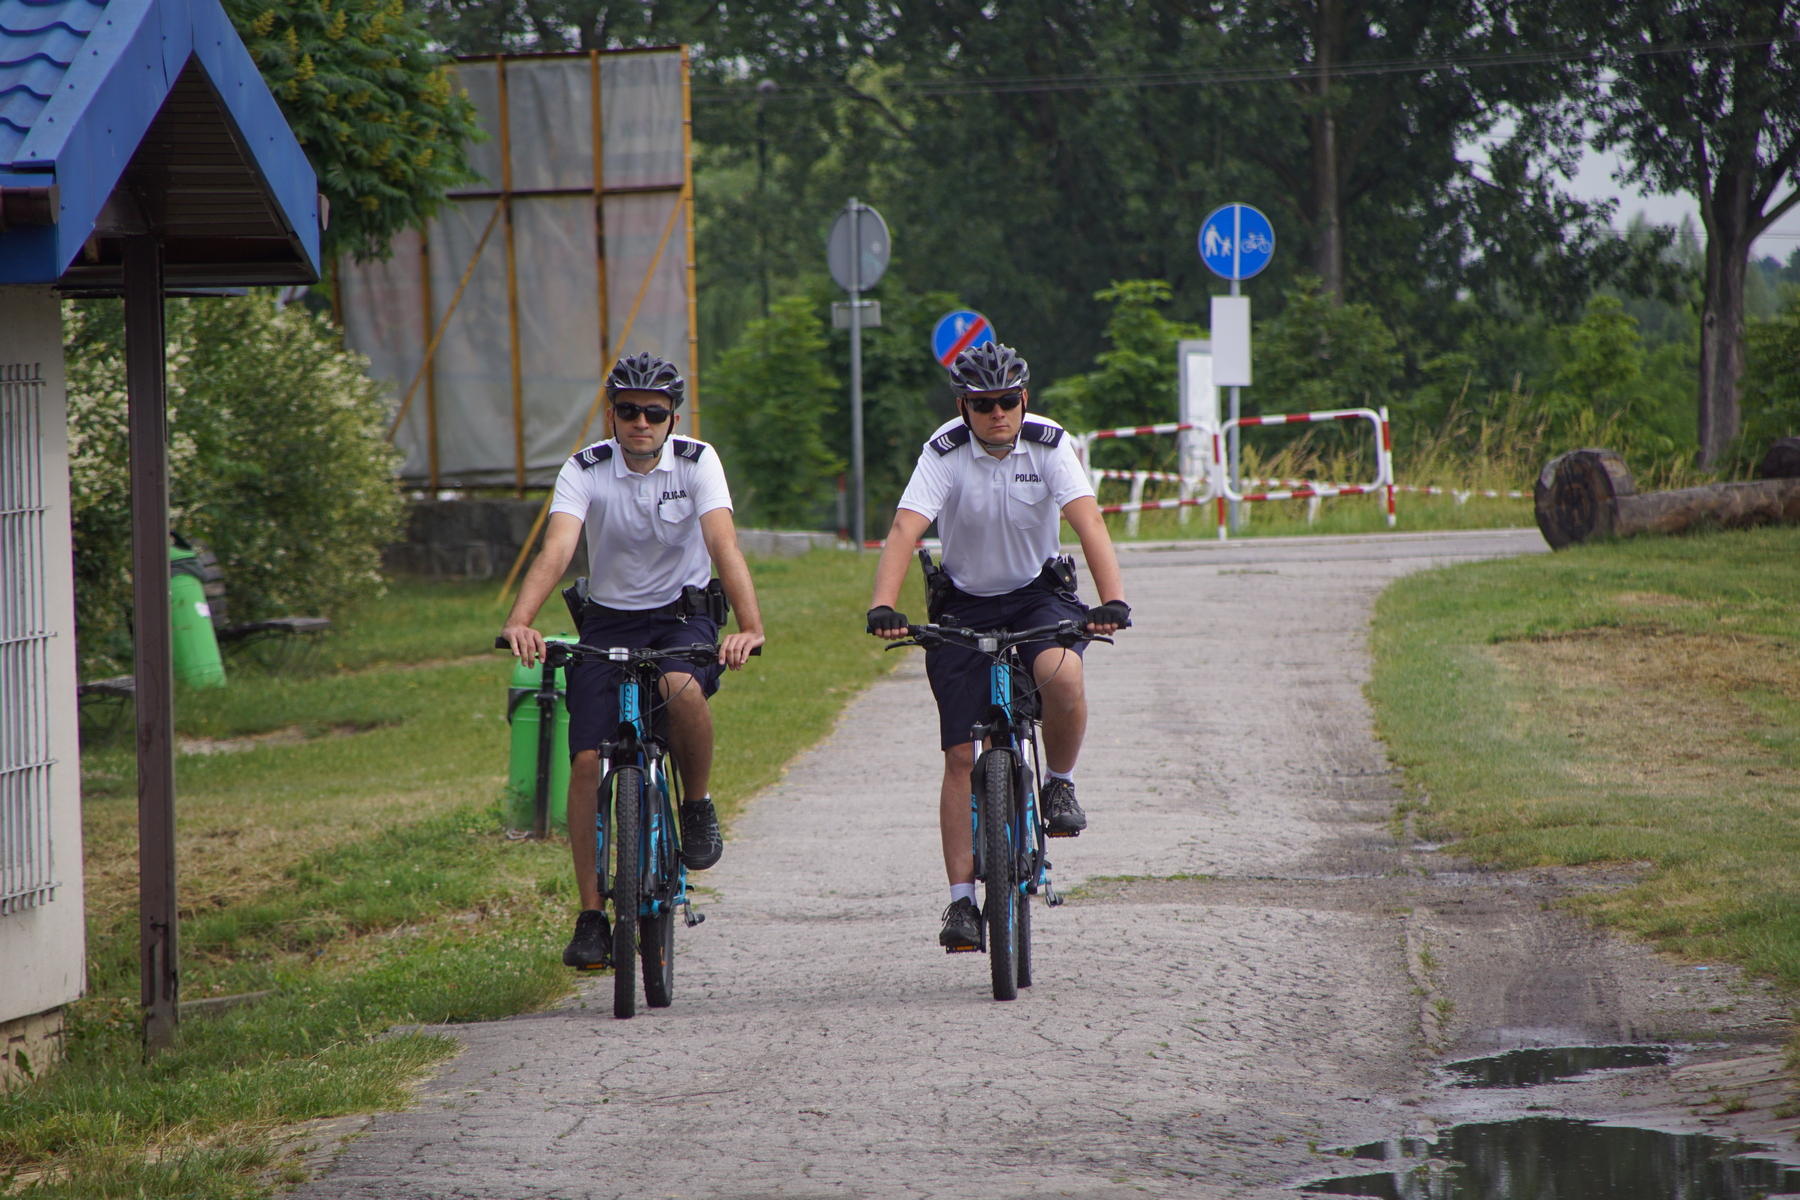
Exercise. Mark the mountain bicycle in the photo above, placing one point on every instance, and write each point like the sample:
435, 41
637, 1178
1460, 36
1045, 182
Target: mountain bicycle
639, 827
1007, 825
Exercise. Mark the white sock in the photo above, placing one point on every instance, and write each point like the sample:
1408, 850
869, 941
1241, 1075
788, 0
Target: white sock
962, 891
1065, 776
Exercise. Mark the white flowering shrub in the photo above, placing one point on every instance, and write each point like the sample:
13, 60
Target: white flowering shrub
277, 461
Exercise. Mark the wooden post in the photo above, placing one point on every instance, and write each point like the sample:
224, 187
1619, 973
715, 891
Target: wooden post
512, 279
600, 210
431, 428
159, 944
693, 278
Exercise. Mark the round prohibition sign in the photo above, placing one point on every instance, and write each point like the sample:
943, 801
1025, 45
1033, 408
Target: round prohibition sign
959, 331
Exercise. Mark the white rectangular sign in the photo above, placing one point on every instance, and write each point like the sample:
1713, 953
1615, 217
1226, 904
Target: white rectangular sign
1231, 341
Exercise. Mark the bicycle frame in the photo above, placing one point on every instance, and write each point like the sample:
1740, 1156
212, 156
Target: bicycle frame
638, 745
1025, 832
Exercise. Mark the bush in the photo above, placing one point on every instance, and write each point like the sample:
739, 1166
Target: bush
1771, 384
276, 453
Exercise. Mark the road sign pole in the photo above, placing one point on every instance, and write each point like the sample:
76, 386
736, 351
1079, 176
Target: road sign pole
856, 397
1237, 524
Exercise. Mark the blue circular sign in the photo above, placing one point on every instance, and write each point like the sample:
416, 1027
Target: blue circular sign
1236, 242
958, 331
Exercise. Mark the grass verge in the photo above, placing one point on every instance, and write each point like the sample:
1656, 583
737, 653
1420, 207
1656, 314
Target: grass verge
1629, 703
339, 845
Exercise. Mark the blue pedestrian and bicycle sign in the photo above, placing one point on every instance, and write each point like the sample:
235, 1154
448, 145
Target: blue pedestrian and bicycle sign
958, 331
1236, 241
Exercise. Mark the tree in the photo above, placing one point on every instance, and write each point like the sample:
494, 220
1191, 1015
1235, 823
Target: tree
1771, 383
372, 104
1705, 99
1315, 355
772, 397
1136, 382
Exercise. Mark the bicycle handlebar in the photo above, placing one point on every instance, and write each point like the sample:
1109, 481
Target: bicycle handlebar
1063, 633
701, 654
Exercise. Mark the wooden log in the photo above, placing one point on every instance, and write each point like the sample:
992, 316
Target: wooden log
1588, 495
1782, 461
1574, 495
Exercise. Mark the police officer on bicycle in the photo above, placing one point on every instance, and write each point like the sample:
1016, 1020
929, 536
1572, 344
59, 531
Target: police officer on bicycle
999, 482
658, 519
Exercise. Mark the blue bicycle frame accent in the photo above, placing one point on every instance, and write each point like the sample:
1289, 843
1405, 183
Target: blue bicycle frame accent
1000, 694
656, 804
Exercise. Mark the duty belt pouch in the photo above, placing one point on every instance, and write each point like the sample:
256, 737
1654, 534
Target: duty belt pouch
717, 607
692, 602
937, 587
576, 597
1058, 576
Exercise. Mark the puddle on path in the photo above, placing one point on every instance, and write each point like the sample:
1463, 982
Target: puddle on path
1543, 1158
1550, 1064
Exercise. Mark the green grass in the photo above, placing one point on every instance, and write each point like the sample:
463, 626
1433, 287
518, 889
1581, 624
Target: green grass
356, 867
1636, 702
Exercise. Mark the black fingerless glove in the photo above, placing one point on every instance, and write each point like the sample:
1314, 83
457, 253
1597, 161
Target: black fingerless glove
884, 619
1113, 612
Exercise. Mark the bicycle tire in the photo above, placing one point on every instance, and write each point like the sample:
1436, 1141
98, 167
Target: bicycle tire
656, 946
1023, 954
1001, 907
628, 800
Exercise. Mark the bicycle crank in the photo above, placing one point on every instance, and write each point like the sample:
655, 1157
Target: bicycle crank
690, 916
1050, 896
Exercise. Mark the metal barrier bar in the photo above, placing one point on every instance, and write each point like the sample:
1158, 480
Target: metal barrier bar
1384, 462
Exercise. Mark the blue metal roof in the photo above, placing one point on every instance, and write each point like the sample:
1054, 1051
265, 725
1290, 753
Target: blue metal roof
39, 40
80, 83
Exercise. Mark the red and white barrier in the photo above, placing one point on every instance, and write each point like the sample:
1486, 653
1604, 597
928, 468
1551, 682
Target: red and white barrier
1203, 484
1384, 461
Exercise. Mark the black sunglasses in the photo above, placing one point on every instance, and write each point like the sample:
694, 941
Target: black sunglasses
631, 412
985, 404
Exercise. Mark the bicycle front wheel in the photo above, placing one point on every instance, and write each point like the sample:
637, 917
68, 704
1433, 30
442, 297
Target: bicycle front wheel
997, 861
656, 945
628, 808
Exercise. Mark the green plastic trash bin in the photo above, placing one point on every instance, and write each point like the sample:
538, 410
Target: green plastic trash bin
197, 660
524, 705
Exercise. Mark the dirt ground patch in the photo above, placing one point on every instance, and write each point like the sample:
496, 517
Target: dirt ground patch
1662, 710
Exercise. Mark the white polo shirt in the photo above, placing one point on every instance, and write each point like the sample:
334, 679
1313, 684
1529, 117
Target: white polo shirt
999, 518
643, 531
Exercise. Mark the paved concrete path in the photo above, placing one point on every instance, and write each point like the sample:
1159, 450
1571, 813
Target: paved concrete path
821, 1045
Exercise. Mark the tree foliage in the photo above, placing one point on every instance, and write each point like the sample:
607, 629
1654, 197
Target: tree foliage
773, 395
372, 103
276, 458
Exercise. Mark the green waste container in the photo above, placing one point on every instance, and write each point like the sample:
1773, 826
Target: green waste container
197, 660
523, 709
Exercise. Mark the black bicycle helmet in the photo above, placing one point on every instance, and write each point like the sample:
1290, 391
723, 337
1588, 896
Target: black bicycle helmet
989, 368
646, 373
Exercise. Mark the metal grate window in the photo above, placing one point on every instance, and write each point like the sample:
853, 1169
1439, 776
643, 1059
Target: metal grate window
25, 867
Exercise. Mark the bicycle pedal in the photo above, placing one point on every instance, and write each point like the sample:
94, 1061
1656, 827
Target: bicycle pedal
1054, 834
962, 949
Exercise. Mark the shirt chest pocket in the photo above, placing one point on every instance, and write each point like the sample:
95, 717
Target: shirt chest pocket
1028, 500
674, 517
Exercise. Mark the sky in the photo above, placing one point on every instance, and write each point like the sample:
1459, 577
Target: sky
1594, 181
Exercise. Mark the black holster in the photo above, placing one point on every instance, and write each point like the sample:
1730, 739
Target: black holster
938, 587
1058, 576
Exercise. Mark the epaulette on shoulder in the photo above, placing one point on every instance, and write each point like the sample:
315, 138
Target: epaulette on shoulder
594, 455
689, 450
1036, 431
949, 440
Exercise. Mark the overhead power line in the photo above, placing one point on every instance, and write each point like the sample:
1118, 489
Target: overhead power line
718, 93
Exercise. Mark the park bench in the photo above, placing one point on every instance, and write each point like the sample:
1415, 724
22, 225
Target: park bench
274, 644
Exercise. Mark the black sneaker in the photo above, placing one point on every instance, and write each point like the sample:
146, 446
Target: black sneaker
591, 947
962, 927
702, 844
1062, 816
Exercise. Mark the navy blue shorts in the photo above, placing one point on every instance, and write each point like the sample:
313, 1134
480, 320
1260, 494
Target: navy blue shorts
594, 686
960, 676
